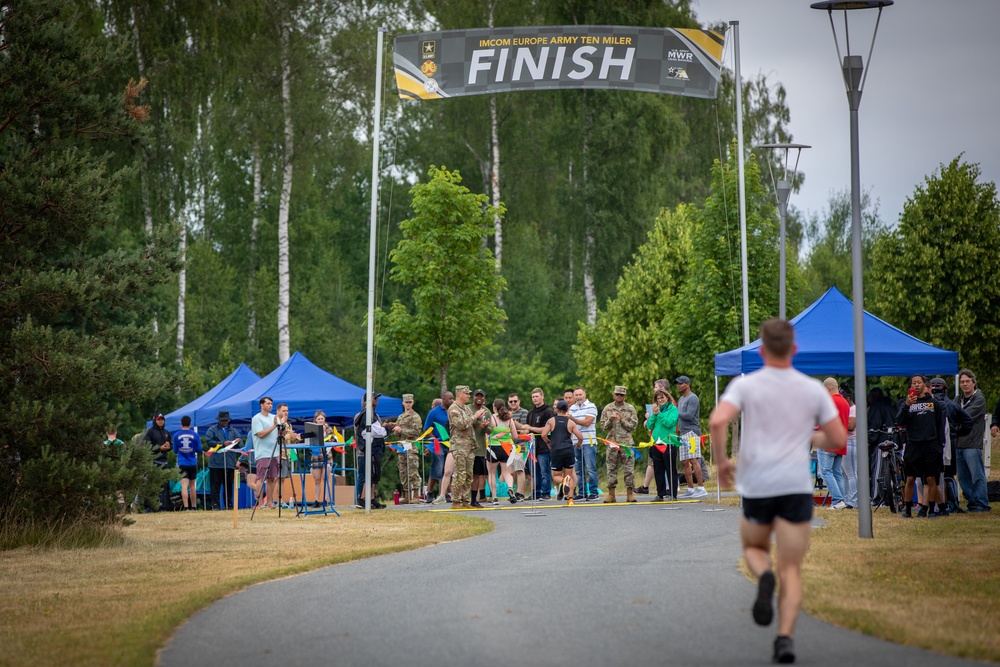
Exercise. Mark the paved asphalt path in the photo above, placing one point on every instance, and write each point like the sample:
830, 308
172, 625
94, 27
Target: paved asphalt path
637, 585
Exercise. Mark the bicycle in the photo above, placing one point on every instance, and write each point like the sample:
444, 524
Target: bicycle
887, 474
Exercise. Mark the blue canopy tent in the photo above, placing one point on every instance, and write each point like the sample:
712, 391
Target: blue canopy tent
236, 382
824, 333
305, 387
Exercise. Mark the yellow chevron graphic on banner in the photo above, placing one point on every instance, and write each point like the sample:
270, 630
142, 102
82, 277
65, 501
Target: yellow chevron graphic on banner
708, 40
410, 88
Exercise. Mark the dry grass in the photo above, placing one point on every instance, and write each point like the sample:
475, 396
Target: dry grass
932, 584
926, 583
117, 605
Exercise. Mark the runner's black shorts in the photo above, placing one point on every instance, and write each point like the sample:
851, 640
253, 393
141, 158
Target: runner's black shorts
793, 508
563, 459
189, 472
479, 466
922, 460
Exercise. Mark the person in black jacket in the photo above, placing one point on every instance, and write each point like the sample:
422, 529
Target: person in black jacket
158, 438
959, 424
924, 419
881, 415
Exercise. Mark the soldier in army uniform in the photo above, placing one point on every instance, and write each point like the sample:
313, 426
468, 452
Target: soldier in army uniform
408, 427
619, 419
463, 446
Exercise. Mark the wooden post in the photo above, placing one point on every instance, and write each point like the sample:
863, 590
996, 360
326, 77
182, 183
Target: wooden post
236, 495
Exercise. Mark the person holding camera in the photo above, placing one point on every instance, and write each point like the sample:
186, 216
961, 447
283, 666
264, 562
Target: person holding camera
924, 419
264, 429
661, 421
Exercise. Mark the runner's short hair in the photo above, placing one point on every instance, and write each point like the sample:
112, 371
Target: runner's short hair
777, 336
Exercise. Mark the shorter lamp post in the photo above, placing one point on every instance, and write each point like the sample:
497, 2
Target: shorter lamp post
783, 188
855, 76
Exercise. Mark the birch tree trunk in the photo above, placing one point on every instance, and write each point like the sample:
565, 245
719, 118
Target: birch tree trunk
182, 288
495, 184
589, 294
569, 284
495, 177
286, 196
254, 222
588, 278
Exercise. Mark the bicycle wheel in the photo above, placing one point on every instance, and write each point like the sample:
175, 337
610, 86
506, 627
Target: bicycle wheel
888, 487
898, 480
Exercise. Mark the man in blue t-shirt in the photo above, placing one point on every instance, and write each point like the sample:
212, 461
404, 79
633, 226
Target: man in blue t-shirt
187, 444
438, 415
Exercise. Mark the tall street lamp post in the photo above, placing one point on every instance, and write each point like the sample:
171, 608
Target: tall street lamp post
854, 81
783, 188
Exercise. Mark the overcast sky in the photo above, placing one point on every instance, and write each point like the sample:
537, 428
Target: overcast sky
933, 89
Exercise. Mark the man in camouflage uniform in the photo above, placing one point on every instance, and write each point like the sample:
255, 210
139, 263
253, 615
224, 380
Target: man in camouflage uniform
408, 427
463, 447
618, 419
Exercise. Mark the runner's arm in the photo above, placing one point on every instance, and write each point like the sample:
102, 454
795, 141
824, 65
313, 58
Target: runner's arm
718, 424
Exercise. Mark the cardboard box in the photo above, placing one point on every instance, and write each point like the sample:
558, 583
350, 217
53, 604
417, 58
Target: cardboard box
343, 494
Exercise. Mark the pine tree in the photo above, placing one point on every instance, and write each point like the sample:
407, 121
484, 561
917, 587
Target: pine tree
76, 341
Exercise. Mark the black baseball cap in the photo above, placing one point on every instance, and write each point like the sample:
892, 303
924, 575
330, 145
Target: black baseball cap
479, 392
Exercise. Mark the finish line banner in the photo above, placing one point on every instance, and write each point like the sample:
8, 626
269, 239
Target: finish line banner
453, 63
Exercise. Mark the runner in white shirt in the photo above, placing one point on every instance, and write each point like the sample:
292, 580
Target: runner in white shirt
781, 408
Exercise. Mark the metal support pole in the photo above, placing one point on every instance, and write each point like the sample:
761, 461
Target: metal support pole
784, 189
370, 367
853, 69
742, 181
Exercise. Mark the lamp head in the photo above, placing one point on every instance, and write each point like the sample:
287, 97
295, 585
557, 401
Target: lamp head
847, 5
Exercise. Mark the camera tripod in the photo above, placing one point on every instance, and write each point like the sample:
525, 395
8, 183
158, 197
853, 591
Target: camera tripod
281, 460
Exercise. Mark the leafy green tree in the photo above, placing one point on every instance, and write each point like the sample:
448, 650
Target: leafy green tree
935, 275
77, 348
453, 275
829, 261
707, 316
627, 344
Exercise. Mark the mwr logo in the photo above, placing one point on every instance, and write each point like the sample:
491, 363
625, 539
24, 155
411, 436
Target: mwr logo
682, 55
